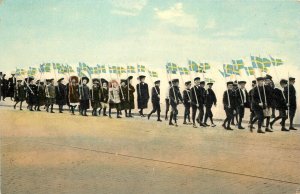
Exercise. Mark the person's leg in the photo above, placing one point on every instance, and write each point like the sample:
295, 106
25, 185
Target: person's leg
158, 112
260, 119
292, 115
167, 108
185, 114
201, 115
104, 110
21, 105
16, 104
194, 111
52, 108
118, 106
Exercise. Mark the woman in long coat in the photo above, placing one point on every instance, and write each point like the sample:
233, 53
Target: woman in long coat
41, 96
143, 95
20, 94
61, 95
73, 93
95, 94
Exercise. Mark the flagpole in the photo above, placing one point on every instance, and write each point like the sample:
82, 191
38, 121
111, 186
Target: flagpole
194, 86
172, 84
137, 65
237, 83
127, 82
288, 113
228, 97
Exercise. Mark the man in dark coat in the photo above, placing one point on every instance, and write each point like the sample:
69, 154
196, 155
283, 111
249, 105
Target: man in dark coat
143, 94
124, 99
195, 95
20, 94
228, 101
234, 105
155, 99
290, 95
31, 92
201, 99
12, 81
187, 102
210, 100
131, 90
84, 92
175, 99
242, 102
253, 117
61, 95
4, 87
270, 82
281, 105
259, 103
41, 95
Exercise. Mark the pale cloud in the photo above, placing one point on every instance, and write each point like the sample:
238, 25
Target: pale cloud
175, 15
211, 24
230, 32
128, 7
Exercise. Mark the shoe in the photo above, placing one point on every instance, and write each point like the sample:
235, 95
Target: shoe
240, 127
268, 130
159, 120
185, 123
119, 117
52, 111
105, 115
21, 109
195, 126
31, 110
271, 125
59, 111
213, 125
260, 131
223, 125
206, 125
171, 124
292, 128
130, 116
189, 123
148, 116
202, 125
284, 129
14, 106
229, 128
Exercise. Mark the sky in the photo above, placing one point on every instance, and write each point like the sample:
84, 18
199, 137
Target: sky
146, 31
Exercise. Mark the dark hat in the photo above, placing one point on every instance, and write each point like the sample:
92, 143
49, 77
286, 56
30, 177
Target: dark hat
230, 82
253, 81
157, 82
51, 79
202, 82
123, 81
210, 83
260, 78
37, 81
142, 76
28, 80
283, 81
130, 78
60, 79
187, 83
74, 77
242, 82
85, 78
196, 78
175, 80
170, 82
292, 79
268, 76
103, 80
95, 81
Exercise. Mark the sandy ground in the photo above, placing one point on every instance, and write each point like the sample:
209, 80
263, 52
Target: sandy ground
59, 153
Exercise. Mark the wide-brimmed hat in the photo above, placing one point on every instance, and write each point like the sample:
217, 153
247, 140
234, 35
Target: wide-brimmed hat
74, 77
60, 79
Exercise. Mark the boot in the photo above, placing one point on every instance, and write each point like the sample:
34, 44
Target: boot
52, 109
104, 112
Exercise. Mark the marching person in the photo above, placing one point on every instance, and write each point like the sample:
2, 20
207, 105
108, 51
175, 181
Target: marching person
187, 102
155, 99
73, 93
253, 117
290, 95
242, 102
50, 95
84, 92
114, 98
228, 101
195, 95
20, 94
201, 99
4, 87
280, 104
270, 82
131, 91
270, 101
210, 100
175, 99
31, 92
259, 103
95, 94
167, 100
41, 95
143, 94
235, 104
61, 95
124, 99
12, 81
104, 97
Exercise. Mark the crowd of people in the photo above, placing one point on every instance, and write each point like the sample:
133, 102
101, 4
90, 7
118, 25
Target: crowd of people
198, 98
